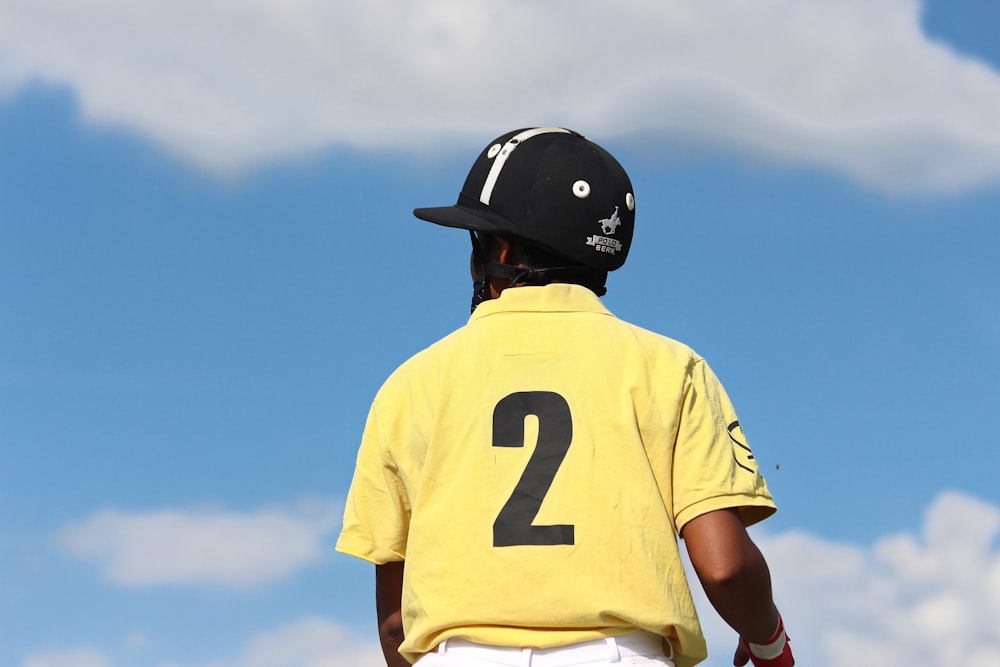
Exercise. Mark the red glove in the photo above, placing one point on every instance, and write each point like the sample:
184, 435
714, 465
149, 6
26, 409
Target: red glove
776, 652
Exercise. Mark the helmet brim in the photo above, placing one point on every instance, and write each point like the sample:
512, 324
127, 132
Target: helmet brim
460, 217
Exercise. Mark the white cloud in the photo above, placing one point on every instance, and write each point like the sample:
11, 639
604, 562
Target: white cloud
207, 546
309, 642
928, 599
75, 658
850, 85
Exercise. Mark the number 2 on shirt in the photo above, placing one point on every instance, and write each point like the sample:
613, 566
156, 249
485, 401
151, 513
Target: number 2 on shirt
513, 525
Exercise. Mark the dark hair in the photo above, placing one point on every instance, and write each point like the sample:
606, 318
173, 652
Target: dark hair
553, 268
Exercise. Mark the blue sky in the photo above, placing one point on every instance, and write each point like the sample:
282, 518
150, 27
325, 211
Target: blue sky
208, 265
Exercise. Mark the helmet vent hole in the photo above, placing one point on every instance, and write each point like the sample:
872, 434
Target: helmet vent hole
494, 149
581, 189
630, 201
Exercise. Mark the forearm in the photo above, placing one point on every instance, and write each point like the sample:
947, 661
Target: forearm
388, 603
733, 573
744, 600
390, 634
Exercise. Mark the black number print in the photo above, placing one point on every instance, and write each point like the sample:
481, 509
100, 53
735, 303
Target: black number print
513, 525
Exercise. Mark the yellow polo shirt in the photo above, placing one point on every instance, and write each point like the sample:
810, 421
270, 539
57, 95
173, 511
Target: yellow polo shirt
534, 468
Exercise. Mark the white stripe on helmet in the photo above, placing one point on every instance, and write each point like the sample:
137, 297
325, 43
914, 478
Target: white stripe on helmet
505, 151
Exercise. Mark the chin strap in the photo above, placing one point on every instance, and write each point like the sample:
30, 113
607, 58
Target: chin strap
483, 270
478, 272
518, 275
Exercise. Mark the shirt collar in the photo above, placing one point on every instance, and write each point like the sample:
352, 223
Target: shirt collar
555, 298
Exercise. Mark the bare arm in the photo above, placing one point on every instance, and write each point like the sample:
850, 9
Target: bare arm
733, 573
388, 601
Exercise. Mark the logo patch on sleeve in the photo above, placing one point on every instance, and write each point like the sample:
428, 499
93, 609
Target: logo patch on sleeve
742, 453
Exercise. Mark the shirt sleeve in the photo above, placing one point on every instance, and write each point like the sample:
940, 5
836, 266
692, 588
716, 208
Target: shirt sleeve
713, 466
377, 511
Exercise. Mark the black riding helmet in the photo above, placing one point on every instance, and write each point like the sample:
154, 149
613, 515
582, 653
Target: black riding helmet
550, 188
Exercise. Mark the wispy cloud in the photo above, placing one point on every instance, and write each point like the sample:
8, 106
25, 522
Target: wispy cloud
311, 642
853, 86
931, 598
308, 642
203, 546
72, 658
927, 599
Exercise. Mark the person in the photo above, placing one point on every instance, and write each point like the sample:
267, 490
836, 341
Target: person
522, 483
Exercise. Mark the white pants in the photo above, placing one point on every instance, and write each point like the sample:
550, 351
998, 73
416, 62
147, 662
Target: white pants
637, 648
